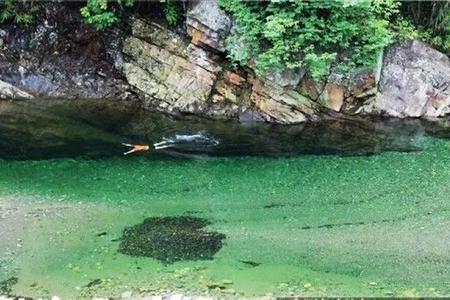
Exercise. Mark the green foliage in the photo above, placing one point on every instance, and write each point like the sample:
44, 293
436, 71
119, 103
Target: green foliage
428, 21
20, 12
310, 34
431, 21
433, 15
97, 13
386, 9
171, 13
101, 13
440, 42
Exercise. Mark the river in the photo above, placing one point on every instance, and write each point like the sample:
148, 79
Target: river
336, 208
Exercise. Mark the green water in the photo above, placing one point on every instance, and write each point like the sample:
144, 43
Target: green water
309, 225
402, 199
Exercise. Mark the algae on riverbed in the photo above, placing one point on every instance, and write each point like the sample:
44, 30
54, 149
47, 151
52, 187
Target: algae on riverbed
171, 239
6, 285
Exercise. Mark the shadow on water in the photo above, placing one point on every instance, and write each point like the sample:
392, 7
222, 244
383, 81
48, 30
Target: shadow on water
171, 239
42, 129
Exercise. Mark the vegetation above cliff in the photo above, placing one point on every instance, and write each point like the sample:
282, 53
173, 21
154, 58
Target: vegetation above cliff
306, 33
101, 13
20, 12
316, 34
312, 34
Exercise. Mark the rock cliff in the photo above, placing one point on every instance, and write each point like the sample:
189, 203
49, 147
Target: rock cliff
189, 73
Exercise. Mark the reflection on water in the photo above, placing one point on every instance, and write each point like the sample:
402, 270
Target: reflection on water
30, 130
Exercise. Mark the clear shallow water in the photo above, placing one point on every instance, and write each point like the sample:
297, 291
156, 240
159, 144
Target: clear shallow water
321, 225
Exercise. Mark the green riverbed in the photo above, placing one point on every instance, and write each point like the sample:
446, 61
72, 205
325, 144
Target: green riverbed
310, 225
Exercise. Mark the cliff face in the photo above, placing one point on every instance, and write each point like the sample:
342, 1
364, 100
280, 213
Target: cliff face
189, 74
172, 74
61, 58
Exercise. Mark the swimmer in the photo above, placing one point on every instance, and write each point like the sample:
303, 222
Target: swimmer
166, 143
136, 148
179, 139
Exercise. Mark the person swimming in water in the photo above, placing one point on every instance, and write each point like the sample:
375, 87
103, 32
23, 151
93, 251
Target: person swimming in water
141, 148
136, 148
178, 139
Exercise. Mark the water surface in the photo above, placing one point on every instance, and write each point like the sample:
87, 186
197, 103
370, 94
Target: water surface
332, 209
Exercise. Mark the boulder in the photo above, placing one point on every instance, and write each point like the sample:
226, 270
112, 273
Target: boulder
8, 91
207, 24
360, 83
415, 82
340, 92
311, 88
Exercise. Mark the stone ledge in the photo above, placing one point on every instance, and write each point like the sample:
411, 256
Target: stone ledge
8, 91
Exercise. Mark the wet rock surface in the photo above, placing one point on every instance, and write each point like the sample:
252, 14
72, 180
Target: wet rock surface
171, 239
175, 76
282, 106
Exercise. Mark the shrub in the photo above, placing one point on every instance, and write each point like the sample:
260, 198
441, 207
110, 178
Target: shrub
431, 20
316, 34
98, 13
171, 13
309, 34
20, 12
102, 13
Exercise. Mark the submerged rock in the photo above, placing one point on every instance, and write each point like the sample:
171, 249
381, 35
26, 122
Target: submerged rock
171, 239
